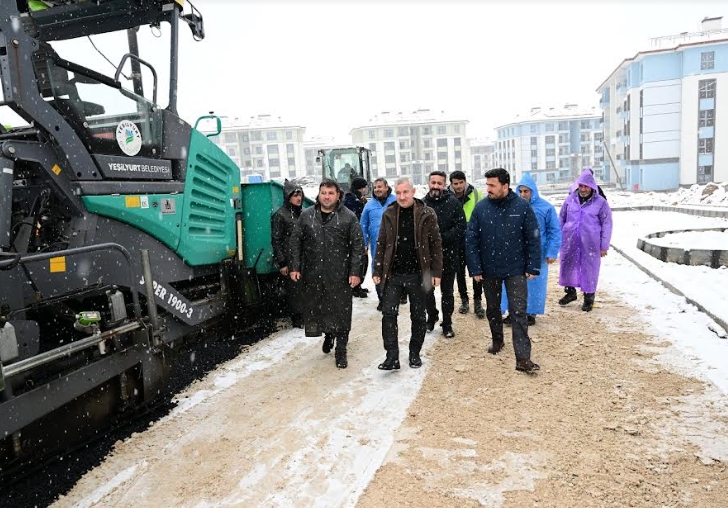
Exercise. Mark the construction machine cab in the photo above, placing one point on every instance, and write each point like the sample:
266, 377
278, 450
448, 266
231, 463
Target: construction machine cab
346, 164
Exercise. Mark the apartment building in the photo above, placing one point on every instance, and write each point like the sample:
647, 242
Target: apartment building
554, 144
661, 111
414, 144
264, 145
482, 156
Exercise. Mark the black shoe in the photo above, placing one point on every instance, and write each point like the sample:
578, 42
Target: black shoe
507, 320
495, 348
415, 361
447, 332
341, 361
390, 363
569, 297
531, 320
328, 343
379, 307
464, 307
588, 302
479, 310
431, 323
403, 299
527, 366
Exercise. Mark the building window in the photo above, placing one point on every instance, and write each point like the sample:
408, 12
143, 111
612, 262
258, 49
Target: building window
534, 129
390, 159
388, 133
563, 150
441, 130
585, 124
550, 165
291, 163
259, 163
534, 153
372, 134
246, 151
706, 88
427, 131
258, 150
245, 138
705, 145
549, 127
550, 140
456, 129
458, 166
563, 138
428, 156
705, 174
550, 152
442, 155
273, 150
442, 167
457, 141
389, 145
707, 60
404, 144
230, 137
373, 147
231, 151
534, 141
442, 142
563, 126
404, 157
706, 118
427, 143
403, 131
534, 166
289, 135
550, 177
271, 135
257, 136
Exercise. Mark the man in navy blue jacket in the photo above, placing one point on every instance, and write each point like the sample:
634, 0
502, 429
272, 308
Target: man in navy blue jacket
503, 245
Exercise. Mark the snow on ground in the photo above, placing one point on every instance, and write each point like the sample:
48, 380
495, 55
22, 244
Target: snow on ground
692, 240
312, 435
715, 196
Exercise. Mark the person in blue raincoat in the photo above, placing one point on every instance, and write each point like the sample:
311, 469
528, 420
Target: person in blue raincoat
550, 228
371, 219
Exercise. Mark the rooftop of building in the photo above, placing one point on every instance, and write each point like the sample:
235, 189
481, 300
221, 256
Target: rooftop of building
420, 116
711, 31
554, 113
262, 121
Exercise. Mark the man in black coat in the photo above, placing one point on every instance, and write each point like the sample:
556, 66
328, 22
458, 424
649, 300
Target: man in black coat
282, 224
451, 220
326, 251
503, 245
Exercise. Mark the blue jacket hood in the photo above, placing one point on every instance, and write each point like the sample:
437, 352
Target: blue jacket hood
528, 181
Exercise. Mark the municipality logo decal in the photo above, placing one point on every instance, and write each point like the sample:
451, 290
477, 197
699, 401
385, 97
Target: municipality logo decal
128, 137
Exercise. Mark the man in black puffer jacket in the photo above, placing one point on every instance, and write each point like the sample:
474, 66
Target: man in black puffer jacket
355, 200
281, 227
503, 244
451, 221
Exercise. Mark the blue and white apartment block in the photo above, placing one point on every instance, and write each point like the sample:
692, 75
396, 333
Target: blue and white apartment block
662, 109
553, 144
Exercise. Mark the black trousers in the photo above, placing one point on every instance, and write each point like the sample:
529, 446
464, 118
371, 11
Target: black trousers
462, 280
394, 288
517, 292
447, 284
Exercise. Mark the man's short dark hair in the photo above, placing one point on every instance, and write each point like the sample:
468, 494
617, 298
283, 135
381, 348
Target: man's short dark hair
499, 173
437, 172
457, 175
328, 182
383, 180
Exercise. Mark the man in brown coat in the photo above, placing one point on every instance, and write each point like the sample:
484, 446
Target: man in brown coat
408, 261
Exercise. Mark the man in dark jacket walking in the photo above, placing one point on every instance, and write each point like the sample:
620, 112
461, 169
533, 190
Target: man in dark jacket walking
468, 197
326, 252
408, 261
355, 200
451, 220
282, 224
503, 244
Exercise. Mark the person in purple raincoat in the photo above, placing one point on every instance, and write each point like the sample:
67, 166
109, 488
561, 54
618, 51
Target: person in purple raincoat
586, 229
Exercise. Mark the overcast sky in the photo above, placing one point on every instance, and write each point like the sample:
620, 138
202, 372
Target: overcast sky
331, 65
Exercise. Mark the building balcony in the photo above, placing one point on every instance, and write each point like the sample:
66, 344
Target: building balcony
622, 88
623, 114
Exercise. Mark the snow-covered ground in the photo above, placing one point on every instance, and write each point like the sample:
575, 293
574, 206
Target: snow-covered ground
323, 451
